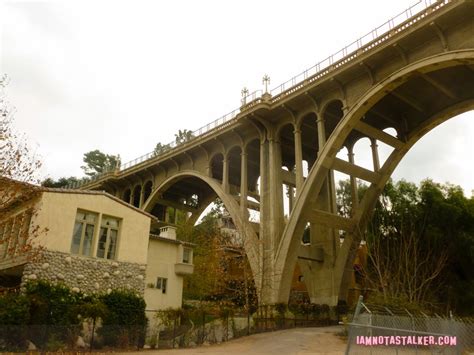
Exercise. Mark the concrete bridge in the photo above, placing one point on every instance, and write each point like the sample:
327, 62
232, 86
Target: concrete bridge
390, 87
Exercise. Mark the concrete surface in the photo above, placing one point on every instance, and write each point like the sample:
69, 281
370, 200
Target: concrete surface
291, 341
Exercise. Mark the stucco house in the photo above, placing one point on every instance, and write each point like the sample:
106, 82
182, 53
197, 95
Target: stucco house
92, 242
168, 261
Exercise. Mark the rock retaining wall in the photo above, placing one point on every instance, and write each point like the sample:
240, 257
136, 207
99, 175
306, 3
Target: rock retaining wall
88, 275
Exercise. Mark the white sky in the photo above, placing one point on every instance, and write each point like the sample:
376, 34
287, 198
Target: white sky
121, 76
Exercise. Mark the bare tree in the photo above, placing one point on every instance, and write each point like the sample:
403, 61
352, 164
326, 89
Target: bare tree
18, 176
403, 268
405, 256
17, 161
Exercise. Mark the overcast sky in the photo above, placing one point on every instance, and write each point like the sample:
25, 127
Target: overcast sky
121, 76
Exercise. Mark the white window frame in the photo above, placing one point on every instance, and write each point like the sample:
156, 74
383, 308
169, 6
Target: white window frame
108, 237
189, 251
84, 222
5, 238
162, 284
14, 234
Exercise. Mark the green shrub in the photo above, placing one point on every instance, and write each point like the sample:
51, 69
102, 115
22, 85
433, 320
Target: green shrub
14, 315
14, 309
93, 308
280, 308
315, 310
125, 322
52, 304
225, 311
54, 344
168, 316
325, 309
341, 309
300, 308
53, 317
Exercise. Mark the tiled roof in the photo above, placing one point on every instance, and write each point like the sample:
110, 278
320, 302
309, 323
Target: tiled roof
30, 187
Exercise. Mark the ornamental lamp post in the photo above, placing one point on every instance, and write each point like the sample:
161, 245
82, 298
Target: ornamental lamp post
266, 81
244, 94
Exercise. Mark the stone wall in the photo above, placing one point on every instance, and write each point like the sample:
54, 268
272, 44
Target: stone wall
88, 275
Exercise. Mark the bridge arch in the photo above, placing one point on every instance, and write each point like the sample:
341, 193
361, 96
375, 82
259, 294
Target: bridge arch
286, 255
127, 195
250, 239
216, 164
147, 189
286, 137
136, 193
331, 114
303, 115
309, 134
234, 161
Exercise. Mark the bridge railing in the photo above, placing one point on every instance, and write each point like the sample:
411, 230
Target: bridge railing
350, 52
382, 33
199, 133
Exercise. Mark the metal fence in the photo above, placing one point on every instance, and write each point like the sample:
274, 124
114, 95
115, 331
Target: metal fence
385, 331
79, 337
173, 328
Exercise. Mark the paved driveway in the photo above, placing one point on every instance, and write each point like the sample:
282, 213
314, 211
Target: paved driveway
291, 341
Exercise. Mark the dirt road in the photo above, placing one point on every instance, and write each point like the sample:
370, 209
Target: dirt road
292, 341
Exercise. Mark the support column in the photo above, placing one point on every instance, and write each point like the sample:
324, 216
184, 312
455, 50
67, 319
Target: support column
271, 215
276, 193
243, 183
291, 195
319, 275
142, 196
321, 133
265, 268
355, 197
132, 195
375, 154
225, 174
298, 160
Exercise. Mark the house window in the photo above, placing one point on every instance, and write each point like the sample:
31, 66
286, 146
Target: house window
187, 255
83, 233
108, 238
161, 283
5, 230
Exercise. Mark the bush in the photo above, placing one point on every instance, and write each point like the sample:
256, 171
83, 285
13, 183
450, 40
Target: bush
53, 318
341, 309
280, 308
52, 304
325, 309
225, 311
300, 309
14, 309
125, 322
315, 310
168, 316
92, 309
14, 315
